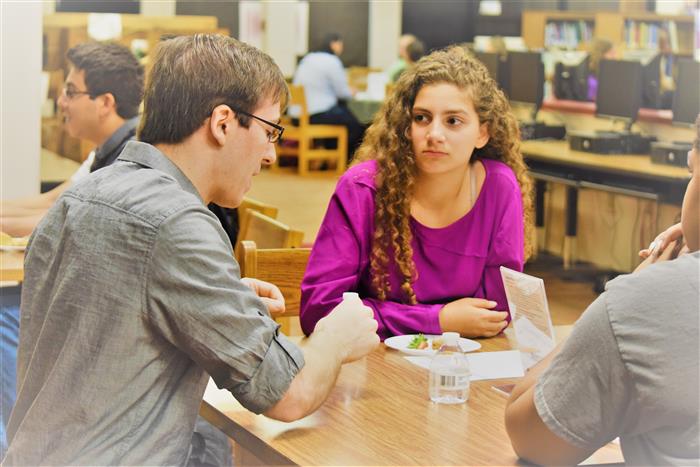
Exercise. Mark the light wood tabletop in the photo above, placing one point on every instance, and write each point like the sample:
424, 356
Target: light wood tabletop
379, 413
627, 164
11, 266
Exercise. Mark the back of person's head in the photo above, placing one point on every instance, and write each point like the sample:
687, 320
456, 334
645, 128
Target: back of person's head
110, 68
191, 75
598, 49
388, 141
326, 45
415, 50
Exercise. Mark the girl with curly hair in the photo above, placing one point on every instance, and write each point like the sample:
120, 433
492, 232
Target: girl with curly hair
438, 202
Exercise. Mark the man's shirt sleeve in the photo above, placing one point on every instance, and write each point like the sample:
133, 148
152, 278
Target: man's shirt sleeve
196, 301
585, 397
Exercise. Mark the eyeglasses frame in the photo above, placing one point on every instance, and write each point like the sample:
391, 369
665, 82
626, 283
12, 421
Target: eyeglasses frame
275, 137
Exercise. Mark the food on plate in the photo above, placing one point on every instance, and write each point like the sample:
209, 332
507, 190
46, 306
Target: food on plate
437, 343
419, 342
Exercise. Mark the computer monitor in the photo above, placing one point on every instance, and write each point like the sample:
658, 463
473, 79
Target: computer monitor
619, 90
651, 75
490, 61
497, 67
686, 98
526, 78
571, 80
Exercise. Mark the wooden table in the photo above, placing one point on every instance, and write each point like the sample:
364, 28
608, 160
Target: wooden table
378, 414
627, 174
11, 266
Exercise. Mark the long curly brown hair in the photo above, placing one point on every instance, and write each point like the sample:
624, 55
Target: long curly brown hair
388, 142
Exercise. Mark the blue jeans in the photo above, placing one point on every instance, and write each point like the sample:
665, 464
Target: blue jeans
9, 340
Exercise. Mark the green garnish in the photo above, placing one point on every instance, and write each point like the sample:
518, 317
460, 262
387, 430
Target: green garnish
417, 341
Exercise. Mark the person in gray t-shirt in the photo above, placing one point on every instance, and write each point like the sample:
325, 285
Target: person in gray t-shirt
628, 370
132, 298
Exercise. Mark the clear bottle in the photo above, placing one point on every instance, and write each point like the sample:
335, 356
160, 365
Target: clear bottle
449, 372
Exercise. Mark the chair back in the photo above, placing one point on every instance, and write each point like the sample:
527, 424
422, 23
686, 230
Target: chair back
283, 267
250, 203
267, 232
298, 98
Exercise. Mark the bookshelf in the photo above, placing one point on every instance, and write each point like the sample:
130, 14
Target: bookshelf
633, 30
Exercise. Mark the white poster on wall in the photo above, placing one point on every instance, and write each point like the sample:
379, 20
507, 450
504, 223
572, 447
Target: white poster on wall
251, 23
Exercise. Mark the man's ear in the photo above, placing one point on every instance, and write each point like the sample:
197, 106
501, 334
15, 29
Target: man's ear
221, 122
107, 103
483, 136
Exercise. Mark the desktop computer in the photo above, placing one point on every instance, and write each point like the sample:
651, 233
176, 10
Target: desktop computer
621, 102
686, 107
670, 153
526, 78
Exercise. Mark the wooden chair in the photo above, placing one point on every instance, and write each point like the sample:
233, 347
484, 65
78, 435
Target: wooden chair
250, 203
305, 134
267, 233
283, 267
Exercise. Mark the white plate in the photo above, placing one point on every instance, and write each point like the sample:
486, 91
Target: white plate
401, 343
13, 247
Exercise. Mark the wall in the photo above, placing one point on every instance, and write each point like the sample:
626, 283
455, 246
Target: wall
21, 100
384, 32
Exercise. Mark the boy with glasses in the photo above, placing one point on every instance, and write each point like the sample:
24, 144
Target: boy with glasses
112, 371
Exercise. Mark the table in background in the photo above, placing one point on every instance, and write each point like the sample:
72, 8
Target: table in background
379, 414
364, 110
11, 266
626, 174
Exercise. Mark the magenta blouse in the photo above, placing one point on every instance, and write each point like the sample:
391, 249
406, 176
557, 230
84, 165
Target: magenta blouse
457, 261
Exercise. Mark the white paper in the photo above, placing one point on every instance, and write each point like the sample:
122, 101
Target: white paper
529, 311
485, 365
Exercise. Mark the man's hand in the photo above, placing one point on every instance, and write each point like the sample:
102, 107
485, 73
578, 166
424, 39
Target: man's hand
661, 242
270, 294
473, 317
351, 325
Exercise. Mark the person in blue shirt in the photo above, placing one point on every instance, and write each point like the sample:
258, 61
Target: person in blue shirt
322, 75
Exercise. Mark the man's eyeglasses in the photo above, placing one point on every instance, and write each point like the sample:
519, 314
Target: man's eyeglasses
277, 130
70, 93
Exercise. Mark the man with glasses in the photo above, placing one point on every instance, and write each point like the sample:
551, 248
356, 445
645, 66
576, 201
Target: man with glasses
99, 103
119, 339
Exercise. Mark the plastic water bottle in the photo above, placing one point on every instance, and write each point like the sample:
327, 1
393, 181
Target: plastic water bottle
449, 372
350, 296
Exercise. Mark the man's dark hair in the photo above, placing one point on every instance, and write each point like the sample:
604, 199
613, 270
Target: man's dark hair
415, 50
191, 75
110, 68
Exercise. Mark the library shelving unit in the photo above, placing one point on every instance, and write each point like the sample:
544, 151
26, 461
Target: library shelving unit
631, 30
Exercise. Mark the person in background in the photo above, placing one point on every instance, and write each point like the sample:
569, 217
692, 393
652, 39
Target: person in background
598, 50
322, 75
439, 202
100, 103
132, 298
411, 49
629, 369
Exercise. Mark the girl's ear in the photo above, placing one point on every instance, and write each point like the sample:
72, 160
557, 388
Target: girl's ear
483, 136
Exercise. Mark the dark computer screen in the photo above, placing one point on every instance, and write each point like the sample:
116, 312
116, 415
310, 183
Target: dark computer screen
651, 82
619, 89
490, 61
526, 77
571, 81
686, 98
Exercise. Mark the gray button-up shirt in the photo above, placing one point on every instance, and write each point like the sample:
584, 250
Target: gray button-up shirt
131, 299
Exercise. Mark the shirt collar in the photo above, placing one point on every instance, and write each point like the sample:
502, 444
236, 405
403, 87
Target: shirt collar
149, 156
125, 131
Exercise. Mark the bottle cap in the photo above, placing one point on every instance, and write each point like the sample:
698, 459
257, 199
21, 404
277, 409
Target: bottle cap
450, 338
351, 296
